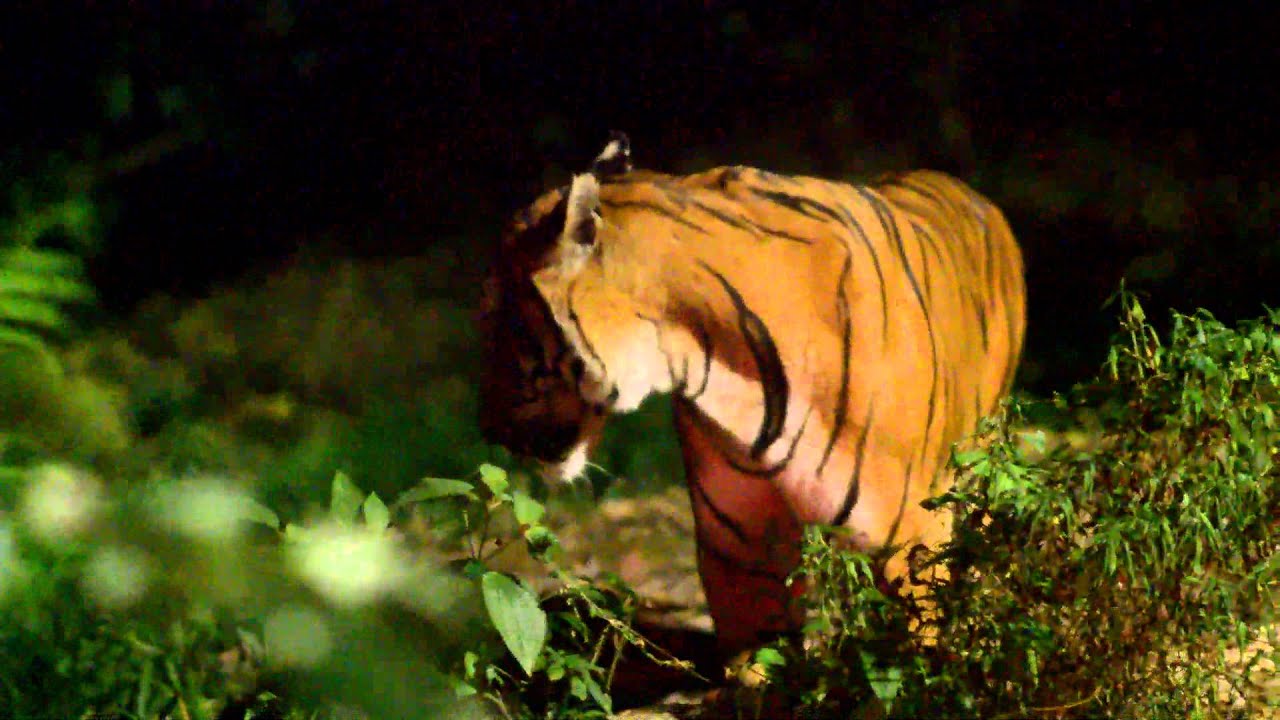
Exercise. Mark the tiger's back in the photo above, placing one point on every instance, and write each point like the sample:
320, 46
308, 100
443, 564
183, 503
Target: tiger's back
825, 345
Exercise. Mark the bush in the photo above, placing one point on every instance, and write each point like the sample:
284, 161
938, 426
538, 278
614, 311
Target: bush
162, 602
1131, 580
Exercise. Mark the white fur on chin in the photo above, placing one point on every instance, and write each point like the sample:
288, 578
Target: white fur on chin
571, 468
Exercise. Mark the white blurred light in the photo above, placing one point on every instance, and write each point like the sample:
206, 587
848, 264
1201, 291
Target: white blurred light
60, 502
116, 577
204, 508
349, 566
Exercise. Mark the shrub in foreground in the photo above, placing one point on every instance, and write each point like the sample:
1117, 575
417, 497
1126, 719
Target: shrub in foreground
1130, 580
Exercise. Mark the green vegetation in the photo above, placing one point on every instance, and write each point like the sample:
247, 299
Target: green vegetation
1136, 576
192, 513
1138, 579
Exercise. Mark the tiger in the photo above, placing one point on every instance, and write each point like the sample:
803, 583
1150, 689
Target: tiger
824, 344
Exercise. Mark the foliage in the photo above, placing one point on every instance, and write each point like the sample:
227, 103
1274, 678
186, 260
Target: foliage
165, 602
1125, 581
37, 281
566, 647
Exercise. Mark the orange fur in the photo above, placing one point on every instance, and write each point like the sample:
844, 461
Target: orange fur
826, 344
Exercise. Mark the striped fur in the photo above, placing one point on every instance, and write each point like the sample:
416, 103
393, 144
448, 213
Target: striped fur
825, 345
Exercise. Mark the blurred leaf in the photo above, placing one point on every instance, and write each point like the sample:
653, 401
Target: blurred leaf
345, 500
41, 260
528, 511
254, 511
515, 613
296, 533
48, 287
36, 313
28, 342
376, 515
495, 478
885, 683
770, 657
433, 488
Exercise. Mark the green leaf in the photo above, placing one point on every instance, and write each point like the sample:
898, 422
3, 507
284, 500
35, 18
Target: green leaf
473, 569
969, 457
495, 478
295, 533
47, 287
528, 511
770, 657
541, 541
433, 488
598, 694
514, 611
254, 511
41, 260
884, 683
462, 690
30, 311
376, 515
345, 500
29, 342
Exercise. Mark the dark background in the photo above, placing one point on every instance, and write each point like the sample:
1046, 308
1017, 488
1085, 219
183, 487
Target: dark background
1123, 138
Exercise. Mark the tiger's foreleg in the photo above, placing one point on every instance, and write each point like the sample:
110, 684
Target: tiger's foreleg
748, 545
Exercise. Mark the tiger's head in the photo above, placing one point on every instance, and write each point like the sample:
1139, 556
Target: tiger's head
544, 394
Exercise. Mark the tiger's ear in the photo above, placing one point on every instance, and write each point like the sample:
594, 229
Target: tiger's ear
582, 214
615, 159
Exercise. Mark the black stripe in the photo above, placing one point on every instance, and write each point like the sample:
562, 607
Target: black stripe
980, 309
758, 570
671, 368
1014, 336
890, 226
779, 234
855, 483
902, 508
773, 377
851, 222
944, 448
577, 324
704, 341
771, 470
927, 243
726, 218
947, 205
748, 225
944, 251
925, 240
988, 272
798, 203
720, 516
954, 401
656, 209
728, 175
846, 349
946, 265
